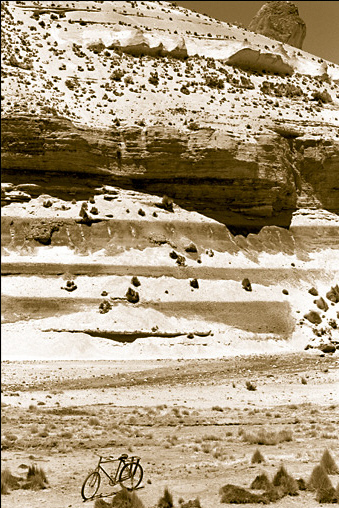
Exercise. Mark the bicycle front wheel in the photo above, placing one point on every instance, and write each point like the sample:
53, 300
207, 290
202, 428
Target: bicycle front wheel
90, 486
131, 475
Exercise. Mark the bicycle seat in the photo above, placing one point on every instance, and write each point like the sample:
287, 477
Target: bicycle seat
123, 456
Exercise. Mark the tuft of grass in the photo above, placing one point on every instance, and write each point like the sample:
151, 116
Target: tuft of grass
286, 481
319, 479
9, 481
326, 495
233, 494
93, 420
261, 482
267, 437
100, 503
257, 457
328, 463
36, 478
126, 499
192, 503
166, 501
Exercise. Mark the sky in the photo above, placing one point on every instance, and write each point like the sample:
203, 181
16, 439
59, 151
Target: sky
321, 18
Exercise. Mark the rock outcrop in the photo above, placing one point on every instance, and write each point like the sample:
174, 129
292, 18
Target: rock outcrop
240, 183
280, 21
257, 61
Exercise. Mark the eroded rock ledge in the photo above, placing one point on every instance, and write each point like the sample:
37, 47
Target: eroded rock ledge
242, 183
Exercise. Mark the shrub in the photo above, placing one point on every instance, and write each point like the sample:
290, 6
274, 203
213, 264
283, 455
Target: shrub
192, 503
93, 420
257, 457
100, 503
326, 495
319, 479
96, 47
213, 81
72, 83
266, 437
328, 463
36, 478
9, 481
166, 501
154, 78
126, 499
117, 74
261, 482
323, 97
287, 482
238, 495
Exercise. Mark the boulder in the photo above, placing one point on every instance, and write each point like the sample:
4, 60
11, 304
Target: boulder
255, 60
321, 304
313, 317
246, 285
280, 21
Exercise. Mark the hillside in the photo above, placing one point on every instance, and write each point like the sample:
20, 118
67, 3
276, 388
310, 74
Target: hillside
109, 106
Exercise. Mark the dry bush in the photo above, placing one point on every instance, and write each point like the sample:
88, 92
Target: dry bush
192, 503
267, 437
100, 503
328, 463
233, 494
93, 420
326, 495
257, 457
166, 501
36, 478
319, 479
126, 499
261, 482
9, 481
286, 481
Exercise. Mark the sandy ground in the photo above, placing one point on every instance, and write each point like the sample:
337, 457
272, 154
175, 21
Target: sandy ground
183, 418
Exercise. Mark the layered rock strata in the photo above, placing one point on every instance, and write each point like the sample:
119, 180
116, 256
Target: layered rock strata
242, 183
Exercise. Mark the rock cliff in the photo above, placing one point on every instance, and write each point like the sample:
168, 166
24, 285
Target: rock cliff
280, 21
242, 184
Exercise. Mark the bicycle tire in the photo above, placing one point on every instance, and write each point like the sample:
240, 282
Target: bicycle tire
131, 480
90, 486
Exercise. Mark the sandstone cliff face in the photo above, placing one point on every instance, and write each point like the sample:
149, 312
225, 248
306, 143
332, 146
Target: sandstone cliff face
238, 182
280, 21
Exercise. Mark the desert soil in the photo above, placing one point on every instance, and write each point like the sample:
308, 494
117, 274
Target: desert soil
186, 419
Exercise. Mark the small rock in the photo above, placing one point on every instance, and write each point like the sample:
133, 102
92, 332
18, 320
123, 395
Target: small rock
313, 317
246, 285
327, 348
321, 304
194, 284
135, 281
132, 296
333, 294
313, 291
285, 292
191, 248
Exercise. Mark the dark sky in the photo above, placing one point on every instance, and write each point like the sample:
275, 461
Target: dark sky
321, 18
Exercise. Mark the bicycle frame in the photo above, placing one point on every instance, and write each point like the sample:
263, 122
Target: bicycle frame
108, 460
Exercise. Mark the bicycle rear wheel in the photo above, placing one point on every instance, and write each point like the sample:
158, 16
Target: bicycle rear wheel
90, 486
131, 475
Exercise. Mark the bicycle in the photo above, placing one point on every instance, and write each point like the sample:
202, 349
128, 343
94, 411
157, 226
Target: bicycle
129, 474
